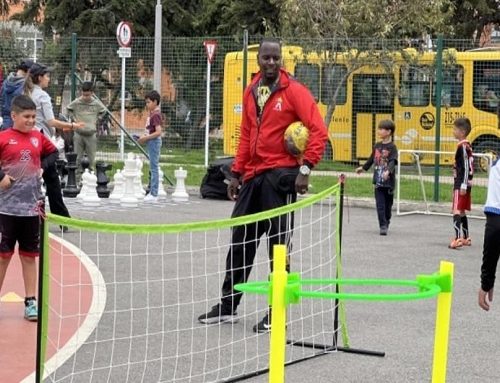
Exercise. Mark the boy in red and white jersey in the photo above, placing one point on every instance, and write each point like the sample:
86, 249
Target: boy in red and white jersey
23, 153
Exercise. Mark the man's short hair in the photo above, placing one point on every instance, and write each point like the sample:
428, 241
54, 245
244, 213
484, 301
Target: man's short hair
463, 123
273, 40
87, 86
153, 96
21, 103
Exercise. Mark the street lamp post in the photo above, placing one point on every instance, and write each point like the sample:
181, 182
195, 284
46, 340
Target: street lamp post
157, 57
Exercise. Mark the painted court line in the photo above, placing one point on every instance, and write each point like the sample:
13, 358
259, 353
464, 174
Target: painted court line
96, 309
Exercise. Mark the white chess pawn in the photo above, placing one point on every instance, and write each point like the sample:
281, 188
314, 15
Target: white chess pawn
118, 188
129, 198
91, 198
84, 188
180, 194
162, 194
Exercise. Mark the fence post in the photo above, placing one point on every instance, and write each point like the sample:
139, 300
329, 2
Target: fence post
439, 85
73, 66
245, 58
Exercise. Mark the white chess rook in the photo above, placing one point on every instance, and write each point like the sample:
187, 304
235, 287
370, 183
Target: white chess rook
91, 198
129, 198
118, 181
180, 194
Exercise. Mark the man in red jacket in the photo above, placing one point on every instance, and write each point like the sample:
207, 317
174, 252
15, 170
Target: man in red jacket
264, 174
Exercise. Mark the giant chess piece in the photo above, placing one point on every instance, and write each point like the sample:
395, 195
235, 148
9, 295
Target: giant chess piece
162, 194
118, 188
139, 189
129, 198
180, 194
71, 190
85, 186
102, 179
60, 165
91, 198
85, 163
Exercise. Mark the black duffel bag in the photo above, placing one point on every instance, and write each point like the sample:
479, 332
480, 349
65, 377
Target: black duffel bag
212, 184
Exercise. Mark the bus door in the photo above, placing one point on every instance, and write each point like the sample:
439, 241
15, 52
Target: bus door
372, 101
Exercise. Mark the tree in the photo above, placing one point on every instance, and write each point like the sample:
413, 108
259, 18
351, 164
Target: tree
226, 17
470, 18
363, 18
88, 17
329, 26
5, 6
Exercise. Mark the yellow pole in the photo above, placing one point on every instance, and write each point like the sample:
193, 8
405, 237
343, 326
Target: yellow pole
278, 317
443, 312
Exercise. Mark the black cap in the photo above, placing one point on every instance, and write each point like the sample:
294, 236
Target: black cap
39, 69
25, 65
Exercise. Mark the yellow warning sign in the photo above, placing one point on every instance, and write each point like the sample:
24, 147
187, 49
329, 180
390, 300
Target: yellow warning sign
11, 298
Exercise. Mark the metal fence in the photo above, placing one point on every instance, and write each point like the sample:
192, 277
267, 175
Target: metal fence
357, 82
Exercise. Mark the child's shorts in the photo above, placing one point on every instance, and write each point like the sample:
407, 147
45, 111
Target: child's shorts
24, 230
461, 202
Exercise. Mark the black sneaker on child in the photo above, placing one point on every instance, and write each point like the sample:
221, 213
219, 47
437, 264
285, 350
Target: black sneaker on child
264, 325
219, 314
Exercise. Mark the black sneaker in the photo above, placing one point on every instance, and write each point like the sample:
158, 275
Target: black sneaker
219, 314
383, 230
264, 325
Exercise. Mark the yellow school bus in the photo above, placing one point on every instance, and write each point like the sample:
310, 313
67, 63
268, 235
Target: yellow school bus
367, 94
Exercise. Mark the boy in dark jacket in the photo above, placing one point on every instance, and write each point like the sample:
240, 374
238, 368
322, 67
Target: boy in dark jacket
384, 157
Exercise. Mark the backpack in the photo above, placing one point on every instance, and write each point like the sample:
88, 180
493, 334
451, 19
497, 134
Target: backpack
213, 184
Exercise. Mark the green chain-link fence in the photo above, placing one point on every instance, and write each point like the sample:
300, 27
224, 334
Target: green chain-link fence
357, 82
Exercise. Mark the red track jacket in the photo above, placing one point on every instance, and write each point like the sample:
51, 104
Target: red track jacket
261, 145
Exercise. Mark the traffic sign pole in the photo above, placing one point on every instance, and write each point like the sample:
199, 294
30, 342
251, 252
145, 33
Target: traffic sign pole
124, 37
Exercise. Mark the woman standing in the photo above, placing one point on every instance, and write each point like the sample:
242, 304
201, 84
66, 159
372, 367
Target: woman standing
37, 80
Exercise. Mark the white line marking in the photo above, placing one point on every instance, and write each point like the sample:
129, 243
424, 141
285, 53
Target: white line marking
96, 309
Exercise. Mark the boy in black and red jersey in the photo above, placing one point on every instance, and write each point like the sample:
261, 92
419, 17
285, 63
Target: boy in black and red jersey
463, 170
22, 152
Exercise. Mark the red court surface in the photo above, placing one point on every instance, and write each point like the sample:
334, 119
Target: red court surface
70, 298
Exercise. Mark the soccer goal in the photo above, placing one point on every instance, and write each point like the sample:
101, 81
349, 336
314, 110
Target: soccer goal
120, 302
415, 183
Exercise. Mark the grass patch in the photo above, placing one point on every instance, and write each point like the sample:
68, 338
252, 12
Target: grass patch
410, 189
355, 186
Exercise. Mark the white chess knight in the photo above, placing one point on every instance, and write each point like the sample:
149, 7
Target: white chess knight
162, 194
129, 198
118, 181
85, 186
91, 198
180, 194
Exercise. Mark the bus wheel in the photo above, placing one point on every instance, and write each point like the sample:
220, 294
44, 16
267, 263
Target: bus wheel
489, 146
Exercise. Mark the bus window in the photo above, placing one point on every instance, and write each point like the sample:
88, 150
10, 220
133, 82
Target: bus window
308, 74
414, 86
486, 85
333, 77
452, 92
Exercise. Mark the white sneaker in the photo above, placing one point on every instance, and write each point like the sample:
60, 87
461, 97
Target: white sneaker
150, 198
